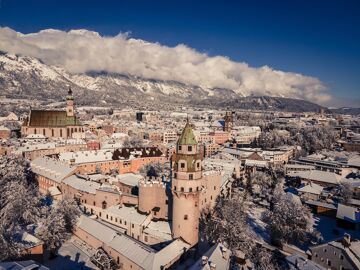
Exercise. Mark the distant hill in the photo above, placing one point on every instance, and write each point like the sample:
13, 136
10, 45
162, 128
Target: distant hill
272, 104
351, 111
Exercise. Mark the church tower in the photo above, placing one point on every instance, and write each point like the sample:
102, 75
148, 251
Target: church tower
228, 122
186, 187
70, 103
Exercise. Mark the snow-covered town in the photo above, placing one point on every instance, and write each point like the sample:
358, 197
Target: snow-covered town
183, 135
187, 189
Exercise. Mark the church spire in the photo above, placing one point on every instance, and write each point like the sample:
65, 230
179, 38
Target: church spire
70, 103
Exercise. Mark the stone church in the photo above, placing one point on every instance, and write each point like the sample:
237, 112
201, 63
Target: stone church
53, 123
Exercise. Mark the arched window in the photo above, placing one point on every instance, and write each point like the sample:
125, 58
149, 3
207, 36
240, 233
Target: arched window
104, 204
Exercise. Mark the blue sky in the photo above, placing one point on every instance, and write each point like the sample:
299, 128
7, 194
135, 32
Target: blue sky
315, 38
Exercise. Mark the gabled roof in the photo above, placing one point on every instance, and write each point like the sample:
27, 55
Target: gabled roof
348, 213
43, 118
311, 188
187, 136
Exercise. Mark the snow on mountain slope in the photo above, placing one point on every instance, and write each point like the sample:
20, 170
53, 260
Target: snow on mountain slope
26, 77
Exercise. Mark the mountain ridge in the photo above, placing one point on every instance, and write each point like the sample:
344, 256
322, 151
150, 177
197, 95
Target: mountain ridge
27, 77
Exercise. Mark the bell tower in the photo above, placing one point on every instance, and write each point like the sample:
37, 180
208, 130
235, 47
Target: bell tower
228, 122
186, 187
70, 103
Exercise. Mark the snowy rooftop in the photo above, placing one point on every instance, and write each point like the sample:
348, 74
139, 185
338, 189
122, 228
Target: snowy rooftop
82, 184
348, 213
256, 163
51, 168
320, 176
86, 156
96, 229
159, 229
297, 262
128, 213
217, 255
311, 188
130, 179
139, 253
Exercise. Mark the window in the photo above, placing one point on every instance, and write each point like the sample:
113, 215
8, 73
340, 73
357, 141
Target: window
214, 187
175, 175
179, 148
198, 165
107, 216
124, 222
175, 188
132, 225
166, 202
120, 221
182, 189
190, 176
325, 250
341, 257
328, 262
186, 217
94, 203
190, 189
146, 238
111, 218
182, 165
115, 219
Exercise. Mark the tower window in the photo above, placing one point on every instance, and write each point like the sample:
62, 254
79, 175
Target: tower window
190, 176
186, 217
189, 148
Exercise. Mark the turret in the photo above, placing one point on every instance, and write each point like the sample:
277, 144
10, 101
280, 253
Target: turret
186, 187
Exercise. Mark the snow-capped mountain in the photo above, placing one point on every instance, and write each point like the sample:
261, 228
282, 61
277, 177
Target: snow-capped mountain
22, 76
27, 77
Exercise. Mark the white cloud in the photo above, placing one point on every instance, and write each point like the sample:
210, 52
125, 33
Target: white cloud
81, 51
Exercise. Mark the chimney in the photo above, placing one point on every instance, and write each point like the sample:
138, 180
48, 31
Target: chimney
204, 260
224, 253
212, 266
347, 239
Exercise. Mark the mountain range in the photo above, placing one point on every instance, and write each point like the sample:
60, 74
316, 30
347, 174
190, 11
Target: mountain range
27, 77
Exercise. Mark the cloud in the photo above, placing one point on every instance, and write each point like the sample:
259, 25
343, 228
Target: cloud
80, 51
